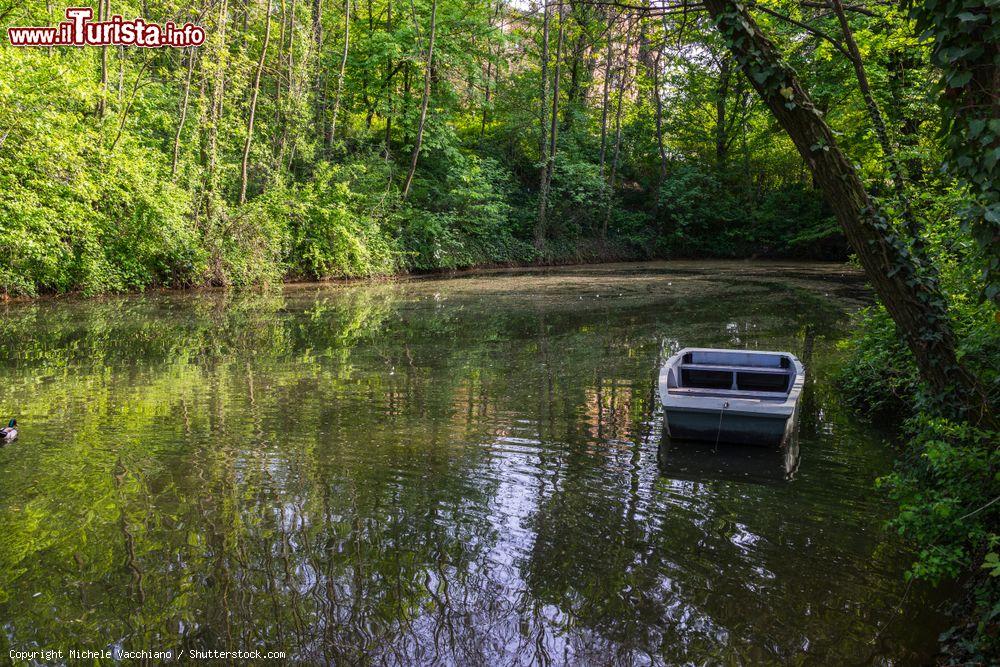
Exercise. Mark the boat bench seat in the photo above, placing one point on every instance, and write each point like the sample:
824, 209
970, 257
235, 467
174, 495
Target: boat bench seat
737, 369
768, 379
698, 391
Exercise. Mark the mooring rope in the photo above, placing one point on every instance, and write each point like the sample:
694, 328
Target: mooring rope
718, 429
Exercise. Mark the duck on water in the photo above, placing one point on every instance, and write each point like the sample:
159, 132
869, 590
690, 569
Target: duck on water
9, 432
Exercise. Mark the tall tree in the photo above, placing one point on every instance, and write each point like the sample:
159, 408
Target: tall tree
319, 86
967, 49
103, 9
912, 299
343, 67
423, 103
623, 76
896, 173
608, 52
543, 146
550, 155
185, 97
721, 98
253, 103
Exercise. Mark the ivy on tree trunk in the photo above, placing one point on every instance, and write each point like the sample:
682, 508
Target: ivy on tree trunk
912, 299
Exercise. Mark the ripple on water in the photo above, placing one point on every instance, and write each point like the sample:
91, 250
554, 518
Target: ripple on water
466, 471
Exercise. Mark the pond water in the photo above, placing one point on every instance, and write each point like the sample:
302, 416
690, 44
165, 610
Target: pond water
442, 471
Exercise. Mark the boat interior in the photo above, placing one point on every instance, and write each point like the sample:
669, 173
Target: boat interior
734, 373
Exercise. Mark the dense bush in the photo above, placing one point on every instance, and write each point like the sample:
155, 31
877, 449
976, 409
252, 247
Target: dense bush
98, 224
459, 216
947, 480
336, 222
697, 213
701, 213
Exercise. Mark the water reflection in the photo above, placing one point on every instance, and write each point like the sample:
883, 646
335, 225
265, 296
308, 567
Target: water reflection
457, 471
700, 461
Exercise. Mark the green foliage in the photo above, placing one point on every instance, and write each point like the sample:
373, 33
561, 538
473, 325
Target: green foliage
701, 214
880, 376
100, 224
949, 472
792, 221
697, 213
251, 244
335, 223
942, 496
965, 35
579, 199
947, 486
460, 217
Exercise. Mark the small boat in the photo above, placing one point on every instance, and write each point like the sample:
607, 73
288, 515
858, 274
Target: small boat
734, 396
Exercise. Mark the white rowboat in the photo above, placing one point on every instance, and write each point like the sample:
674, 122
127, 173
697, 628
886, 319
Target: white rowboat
736, 396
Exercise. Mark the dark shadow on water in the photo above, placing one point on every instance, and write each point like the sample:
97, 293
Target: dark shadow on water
703, 461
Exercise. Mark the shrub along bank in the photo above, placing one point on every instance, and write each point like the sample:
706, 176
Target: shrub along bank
947, 480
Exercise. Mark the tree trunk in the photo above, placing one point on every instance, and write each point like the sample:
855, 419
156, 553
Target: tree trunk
103, 8
721, 98
489, 71
486, 96
573, 93
320, 85
618, 128
661, 147
276, 138
912, 300
607, 86
895, 168
423, 104
121, 73
550, 158
343, 67
543, 147
554, 126
217, 90
388, 85
253, 103
290, 75
184, 110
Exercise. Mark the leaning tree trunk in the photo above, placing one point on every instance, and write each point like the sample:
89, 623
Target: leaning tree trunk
253, 104
343, 67
184, 110
913, 300
875, 114
423, 104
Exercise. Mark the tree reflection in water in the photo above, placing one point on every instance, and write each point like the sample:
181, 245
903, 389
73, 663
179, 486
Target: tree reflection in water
457, 471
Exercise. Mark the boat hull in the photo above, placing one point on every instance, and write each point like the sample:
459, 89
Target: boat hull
729, 427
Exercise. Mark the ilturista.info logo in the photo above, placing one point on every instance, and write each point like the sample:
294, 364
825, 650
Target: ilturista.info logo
79, 30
